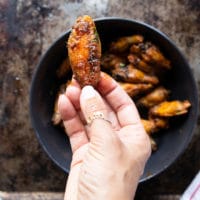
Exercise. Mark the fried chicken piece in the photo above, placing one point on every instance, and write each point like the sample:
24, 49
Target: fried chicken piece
154, 55
154, 145
170, 108
150, 54
136, 49
123, 43
84, 50
140, 64
149, 126
155, 97
161, 123
135, 89
154, 125
111, 61
132, 75
64, 69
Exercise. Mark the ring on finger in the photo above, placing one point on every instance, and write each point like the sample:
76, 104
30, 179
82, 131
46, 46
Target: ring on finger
97, 115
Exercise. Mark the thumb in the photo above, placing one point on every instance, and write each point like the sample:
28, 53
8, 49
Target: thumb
96, 114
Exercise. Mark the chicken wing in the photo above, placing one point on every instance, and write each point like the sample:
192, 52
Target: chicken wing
149, 126
111, 61
84, 50
154, 55
132, 75
150, 54
155, 97
140, 64
135, 89
123, 43
170, 108
64, 69
154, 125
154, 145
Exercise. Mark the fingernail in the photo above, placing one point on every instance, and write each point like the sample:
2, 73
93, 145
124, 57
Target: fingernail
70, 88
88, 92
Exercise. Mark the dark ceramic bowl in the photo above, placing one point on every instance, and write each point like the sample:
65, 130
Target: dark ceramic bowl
45, 83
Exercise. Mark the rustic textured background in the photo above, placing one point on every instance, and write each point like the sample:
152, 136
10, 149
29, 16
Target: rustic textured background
27, 28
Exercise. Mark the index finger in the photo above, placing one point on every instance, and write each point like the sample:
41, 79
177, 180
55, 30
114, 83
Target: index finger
119, 100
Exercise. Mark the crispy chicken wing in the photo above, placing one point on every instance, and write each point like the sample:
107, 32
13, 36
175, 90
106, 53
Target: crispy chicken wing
135, 89
154, 55
123, 43
136, 49
150, 54
154, 125
149, 126
111, 61
64, 69
132, 75
155, 97
154, 145
140, 64
84, 50
170, 108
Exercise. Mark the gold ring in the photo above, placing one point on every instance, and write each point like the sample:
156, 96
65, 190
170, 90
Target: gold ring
96, 115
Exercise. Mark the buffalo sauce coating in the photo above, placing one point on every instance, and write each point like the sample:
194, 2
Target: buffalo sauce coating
84, 50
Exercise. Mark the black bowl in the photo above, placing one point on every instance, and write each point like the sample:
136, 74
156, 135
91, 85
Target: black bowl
45, 83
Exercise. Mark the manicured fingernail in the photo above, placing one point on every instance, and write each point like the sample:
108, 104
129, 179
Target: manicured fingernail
88, 92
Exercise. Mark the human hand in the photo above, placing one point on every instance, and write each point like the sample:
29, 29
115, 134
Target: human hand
108, 158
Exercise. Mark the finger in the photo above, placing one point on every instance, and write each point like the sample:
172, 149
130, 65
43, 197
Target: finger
91, 103
112, 117
119, 100
73, 92
72, 123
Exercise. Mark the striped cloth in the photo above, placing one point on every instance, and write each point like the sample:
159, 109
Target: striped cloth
193, 190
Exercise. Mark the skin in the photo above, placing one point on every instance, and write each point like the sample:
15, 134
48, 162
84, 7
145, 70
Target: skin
108, 158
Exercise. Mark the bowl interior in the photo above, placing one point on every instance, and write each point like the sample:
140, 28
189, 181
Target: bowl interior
45, 84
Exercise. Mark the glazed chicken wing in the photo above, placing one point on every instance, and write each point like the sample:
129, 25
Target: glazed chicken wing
154, 125
135, 89
149, 126
111, 61
153, 55
132, 75
170, 108
150, 54
123, 43
84, 50
154, 145
155, 97
140, 64
64, 69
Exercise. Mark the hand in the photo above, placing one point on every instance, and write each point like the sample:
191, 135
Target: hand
109, 155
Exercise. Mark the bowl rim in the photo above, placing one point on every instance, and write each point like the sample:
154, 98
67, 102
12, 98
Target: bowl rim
152, 28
